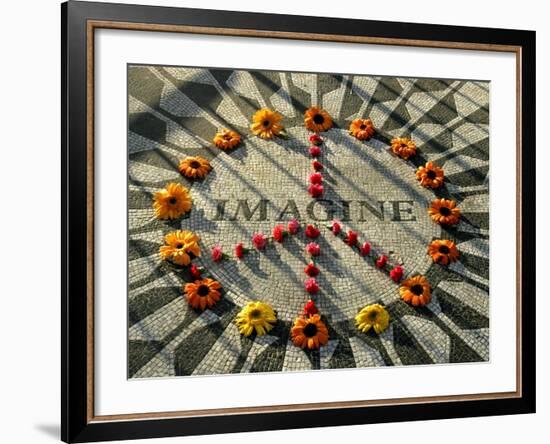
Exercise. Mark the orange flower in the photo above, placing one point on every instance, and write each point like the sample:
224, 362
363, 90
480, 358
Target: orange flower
202, 293
443, 251
430, 175
226, 139
444, 212
362, 129
317, 119
416, 291
171, 202
309, 332
266, 123
179, 244
194, 167
403, 147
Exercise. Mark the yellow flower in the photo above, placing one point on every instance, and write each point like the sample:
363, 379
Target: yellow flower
179, 244
372, 316
403, 147
256, 316
226, 139
317, 119
194, 167
171, 202
265, 123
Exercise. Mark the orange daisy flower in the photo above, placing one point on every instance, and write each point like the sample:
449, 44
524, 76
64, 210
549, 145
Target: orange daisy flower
362, 129
444, 212
194, 167
317, 119
443, 251
266, 123
430, 175
171, 202
416, 291
179, 245
309, 332
403, 147
202, 293
226, 139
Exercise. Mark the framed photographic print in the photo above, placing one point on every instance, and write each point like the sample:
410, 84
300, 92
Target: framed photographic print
276, 221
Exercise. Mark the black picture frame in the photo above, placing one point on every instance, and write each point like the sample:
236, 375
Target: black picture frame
77, 424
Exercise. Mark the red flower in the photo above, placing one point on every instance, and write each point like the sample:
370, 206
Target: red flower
396, 273
312, 231
293, 226
311, 286
313, 249
315, 178
310, 309
314, 151
317, 166
240, 251
381, 261
316, 139
311, 270
279, 233
217, 254
364, 249
351, 238
259, 240
195, 272
335, 227
315, 190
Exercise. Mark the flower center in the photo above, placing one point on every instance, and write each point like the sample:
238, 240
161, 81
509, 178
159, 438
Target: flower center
372, 316
227, 136
363, 127
195, 164
444, 211
203, 290
318, 119
266, 123
444, 249
310, 330
172, 201
255, 314
179, 246
417, 289
431, 174
404, 145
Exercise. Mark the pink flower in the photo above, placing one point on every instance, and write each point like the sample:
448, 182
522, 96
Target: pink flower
259, 240
317, 166
351, 238
396, 273
240, 251
315, 178
316, 139
310, 309
313, 249
195, 272
364, 249
279, 233
335, 227
293, 226
311, 286
311, 270
314, 151
312, 231
315, 190
217, 253
381, 261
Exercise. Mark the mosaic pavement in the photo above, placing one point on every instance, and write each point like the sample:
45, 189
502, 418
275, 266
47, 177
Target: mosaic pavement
175, 112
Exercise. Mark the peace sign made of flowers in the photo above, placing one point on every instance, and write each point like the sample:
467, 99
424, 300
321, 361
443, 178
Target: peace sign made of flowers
308, 331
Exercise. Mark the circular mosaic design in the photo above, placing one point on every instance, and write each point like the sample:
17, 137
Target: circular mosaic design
264, 183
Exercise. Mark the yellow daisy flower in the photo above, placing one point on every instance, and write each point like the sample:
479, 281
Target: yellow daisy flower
256, 316
171, 202
372, 316
266, 123
178, 245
